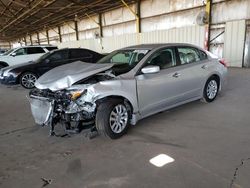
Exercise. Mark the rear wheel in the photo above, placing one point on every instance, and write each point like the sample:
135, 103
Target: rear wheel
211, 89
28, 79
1, 66
112, 118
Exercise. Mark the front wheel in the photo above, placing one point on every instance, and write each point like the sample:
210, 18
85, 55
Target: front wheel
112, 118
211, 89
28, 79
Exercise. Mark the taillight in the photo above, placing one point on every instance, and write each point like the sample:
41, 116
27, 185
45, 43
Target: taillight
223, 62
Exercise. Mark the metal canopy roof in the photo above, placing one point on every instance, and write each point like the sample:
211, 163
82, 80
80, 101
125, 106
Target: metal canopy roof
21, 17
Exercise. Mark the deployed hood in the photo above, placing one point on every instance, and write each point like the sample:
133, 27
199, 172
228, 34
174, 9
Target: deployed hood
65, 76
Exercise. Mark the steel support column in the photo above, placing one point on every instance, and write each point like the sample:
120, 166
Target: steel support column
208, 26
138, 20
137, 15
100, 25
76, 30
25, 41
59, 33
31, 42
38, 39
47, 35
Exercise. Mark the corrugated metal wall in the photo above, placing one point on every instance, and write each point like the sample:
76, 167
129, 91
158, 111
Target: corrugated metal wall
193, 34
234, 42
161, 21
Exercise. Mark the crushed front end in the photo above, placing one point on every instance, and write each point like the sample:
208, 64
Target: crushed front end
69, 108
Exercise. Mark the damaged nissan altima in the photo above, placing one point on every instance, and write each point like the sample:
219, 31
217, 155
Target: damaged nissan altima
127, 85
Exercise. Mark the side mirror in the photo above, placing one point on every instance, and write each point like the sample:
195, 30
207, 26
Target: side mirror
150, 69
13, 54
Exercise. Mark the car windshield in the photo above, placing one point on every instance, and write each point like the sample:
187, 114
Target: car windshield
8, 52
124, 60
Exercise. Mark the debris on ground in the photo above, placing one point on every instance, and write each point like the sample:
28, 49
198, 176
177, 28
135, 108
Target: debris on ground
46, 182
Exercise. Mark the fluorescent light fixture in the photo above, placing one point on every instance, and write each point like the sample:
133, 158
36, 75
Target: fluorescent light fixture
161, 160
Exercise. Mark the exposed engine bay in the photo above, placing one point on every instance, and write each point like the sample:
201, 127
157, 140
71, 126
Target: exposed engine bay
73, 107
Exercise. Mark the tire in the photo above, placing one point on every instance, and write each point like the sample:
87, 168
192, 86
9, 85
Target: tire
28, 79
1, 66
112, 118
211, 89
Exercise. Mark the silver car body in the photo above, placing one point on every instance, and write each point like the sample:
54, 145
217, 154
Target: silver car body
147, 93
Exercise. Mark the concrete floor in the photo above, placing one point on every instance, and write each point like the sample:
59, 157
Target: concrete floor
207, 141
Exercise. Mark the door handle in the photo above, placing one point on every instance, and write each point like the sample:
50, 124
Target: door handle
204, 67
176, 75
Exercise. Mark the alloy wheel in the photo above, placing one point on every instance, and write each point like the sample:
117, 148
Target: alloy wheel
118, 118
212, 89
28, 80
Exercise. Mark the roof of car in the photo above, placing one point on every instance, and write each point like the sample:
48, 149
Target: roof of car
158, 45
30, 46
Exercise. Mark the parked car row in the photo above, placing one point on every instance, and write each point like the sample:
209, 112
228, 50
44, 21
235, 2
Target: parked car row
26, 74
125, 86
24, 54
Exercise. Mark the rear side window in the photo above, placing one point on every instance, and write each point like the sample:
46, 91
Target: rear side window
188, 55
58, 56
79, 53
203, 55
35, 50
51, 48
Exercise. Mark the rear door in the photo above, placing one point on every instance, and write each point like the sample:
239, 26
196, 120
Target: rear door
193, 68
80, 55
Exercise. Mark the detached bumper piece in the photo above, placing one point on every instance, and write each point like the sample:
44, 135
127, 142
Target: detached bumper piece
42, 111
48, 109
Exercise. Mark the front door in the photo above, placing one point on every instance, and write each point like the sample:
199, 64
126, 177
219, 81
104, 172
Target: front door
157, 90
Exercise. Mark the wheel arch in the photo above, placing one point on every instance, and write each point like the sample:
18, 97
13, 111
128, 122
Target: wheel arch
126, 100
4, 64
217, 77
22, 73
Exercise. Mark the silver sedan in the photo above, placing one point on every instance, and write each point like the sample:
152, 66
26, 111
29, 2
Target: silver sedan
127, 85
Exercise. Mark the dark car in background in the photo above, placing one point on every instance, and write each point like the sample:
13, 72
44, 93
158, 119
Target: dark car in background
26, 74
2, 51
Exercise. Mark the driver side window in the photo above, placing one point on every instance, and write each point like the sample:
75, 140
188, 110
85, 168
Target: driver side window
22, 51
164, 58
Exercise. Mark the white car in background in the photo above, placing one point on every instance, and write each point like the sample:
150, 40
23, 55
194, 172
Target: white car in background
23, 54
